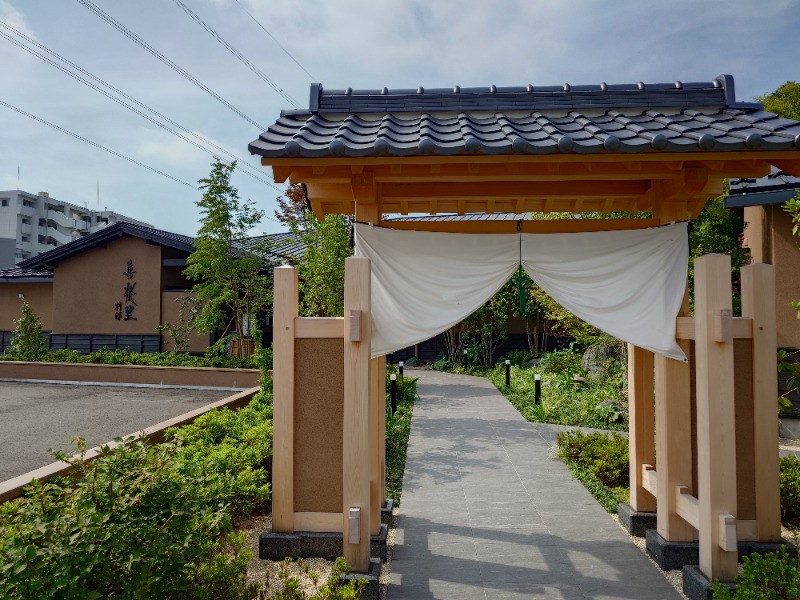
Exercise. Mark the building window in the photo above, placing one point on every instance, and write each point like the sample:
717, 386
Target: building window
3, 201
26, 221
42, 222
25, 238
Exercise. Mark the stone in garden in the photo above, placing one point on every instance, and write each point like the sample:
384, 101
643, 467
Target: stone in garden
597, 357
413, 362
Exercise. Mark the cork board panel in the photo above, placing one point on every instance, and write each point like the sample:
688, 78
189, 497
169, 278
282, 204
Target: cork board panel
318, 424
745, 450
745, 454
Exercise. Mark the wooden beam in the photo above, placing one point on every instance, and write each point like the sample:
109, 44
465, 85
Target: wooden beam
641, 425
742, 328
758, 303
319, 327
356, 446
382, 451
528, 226
393, 192
318, 521
716, 424
650, 480
285, 315
363, 186
791, 166
687, 506
377, 404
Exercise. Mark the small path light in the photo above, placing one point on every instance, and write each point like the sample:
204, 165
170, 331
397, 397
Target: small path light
393, 391
508, 373
400, 368
465, 359
537, 389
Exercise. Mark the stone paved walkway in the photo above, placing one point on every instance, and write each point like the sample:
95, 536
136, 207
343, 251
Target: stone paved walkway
486, 513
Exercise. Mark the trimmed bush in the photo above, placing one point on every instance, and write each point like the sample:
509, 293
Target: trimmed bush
605, 455
790, 491
772, 576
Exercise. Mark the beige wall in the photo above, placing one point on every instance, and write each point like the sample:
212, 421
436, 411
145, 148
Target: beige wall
38, 295
87, 286
768, 234
170, 313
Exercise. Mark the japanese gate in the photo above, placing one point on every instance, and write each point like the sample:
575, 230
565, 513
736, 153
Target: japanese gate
662, 149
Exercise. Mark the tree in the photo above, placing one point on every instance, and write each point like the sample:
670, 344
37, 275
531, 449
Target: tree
321, 268
294, 207
27, 342
230, 283
785, 101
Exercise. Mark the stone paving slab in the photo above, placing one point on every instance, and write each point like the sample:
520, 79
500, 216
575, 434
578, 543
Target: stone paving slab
487, 513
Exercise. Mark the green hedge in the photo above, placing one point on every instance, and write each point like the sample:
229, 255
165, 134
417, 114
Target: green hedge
144, 521
398, 428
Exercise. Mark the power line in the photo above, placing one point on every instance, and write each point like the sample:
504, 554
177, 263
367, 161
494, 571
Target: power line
274, 39
203, 142
243, 59
95, 144
180, 71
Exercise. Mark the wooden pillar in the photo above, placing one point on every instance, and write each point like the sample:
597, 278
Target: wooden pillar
641, 424
377, 373
284, 315
673, 438
382, 449
716, 424
356, 451
758, 303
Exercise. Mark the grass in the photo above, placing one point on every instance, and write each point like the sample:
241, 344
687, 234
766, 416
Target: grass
608, 497
398, 428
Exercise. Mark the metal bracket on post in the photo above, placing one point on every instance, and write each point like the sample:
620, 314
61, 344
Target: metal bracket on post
723, 326
354, 527
355, 325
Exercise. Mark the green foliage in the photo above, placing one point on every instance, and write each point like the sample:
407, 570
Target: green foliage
154, 359
332, 589
790, 491
771, 576
518, 358
599, 461
719, 230
605, 455
143, 521
229, 284
793, 208
398, 428
562, 322
181, 330
785, 101
27, 342
485, 329
321, 268
599, 402
792, 367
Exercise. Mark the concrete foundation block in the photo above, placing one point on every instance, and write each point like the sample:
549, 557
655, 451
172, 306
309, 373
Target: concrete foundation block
308, 544
635, 523
671, 555
277, 546
748, 548
696, 586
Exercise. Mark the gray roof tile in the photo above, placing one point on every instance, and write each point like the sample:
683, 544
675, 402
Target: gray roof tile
581, 119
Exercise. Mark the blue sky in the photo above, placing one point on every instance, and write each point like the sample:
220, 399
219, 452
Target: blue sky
341, 43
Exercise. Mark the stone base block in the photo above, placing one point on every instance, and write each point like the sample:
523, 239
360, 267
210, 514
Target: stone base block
372, 591
696, 586
748, 548
671, 555
386, 512
635, 523
308, 544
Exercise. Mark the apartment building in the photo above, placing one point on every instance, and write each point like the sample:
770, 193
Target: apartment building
31, 224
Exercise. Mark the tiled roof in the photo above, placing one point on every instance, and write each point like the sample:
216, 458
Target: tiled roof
52, 257
18, 274
586, 119
775, 188
278, 248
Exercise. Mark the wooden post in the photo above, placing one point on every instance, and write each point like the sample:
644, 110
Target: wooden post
758, 303
716, 424
641, 424
356, 451
673, 438
376, 402
285, 313
382, 449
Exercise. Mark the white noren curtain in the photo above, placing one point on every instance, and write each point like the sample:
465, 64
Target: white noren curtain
629, 284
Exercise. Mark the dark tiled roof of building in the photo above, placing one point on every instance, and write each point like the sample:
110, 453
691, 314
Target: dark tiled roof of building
775, 188
18, 274
278, 248
49, 259
586, 119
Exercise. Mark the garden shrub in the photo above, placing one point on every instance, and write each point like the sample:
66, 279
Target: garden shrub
123, 356
398, 428
605, 455
562, 361
772, 576
790, 491
27, 342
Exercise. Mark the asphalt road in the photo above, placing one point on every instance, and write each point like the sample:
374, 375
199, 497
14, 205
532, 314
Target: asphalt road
35, 417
